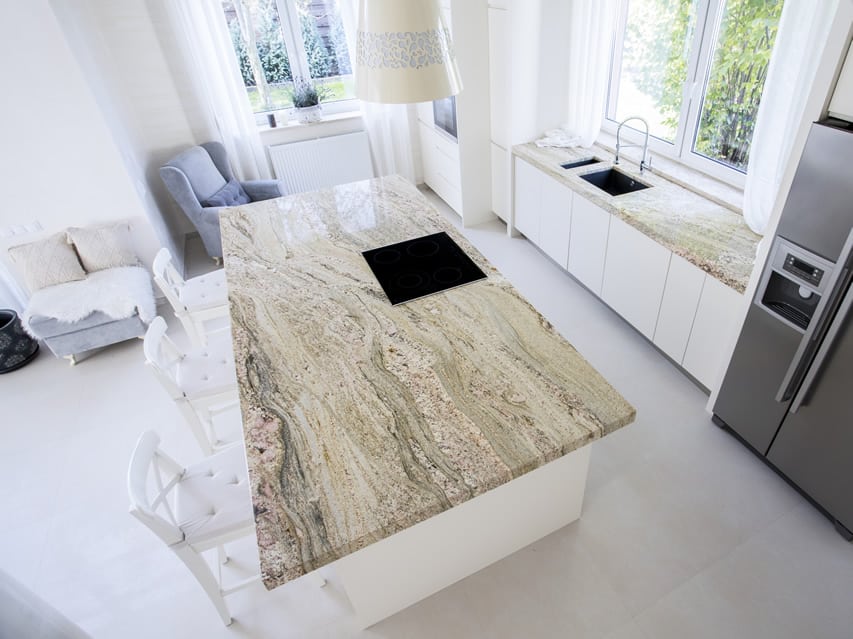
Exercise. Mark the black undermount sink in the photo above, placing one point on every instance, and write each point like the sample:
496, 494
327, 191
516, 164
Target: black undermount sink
577, 163
614, 182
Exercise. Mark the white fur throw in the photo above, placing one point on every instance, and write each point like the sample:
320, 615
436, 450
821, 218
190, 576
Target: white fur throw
117, 292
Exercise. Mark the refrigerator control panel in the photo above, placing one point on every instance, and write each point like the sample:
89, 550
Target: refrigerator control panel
799, 267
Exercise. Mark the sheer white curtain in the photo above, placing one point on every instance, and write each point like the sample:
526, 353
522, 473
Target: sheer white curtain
803, 30
390, 129
212, 67
590, 36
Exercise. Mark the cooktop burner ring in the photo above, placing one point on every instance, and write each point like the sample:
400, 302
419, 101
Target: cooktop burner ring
387, 256
447, 274
411, 279
423, 248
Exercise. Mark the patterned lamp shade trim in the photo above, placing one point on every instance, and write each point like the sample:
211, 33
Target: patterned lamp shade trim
406, 49
404, 53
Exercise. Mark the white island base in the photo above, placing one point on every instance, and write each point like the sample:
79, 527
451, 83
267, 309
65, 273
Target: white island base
392, 574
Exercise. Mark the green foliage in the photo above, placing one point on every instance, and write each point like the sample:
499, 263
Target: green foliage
242, 55
737, 80
319, 60
339, 45
657, 46
271, 50
307, 94
658, 37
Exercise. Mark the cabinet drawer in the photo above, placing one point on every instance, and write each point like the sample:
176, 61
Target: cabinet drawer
500, 182
588, 242
528, 188
634, 276
555, 220
678, 307
714, 325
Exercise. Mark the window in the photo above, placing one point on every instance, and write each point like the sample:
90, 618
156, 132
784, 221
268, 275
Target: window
694, 70
277, 41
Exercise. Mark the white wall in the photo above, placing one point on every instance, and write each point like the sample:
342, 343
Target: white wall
124, 58
60, 164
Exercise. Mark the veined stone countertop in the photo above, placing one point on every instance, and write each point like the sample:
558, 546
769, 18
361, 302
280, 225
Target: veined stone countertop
706, 234
361, 418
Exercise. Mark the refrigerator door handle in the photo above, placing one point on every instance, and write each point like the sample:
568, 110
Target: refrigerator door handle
825, 348
799, 364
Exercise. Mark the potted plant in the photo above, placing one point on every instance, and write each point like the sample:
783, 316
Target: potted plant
306, 98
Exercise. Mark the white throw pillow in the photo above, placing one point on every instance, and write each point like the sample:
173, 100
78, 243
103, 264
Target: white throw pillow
104, 247
47, 262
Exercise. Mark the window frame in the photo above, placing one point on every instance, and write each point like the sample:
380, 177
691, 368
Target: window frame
294, 45
706, 33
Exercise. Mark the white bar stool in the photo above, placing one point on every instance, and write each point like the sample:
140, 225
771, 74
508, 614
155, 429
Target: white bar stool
202, 382
198, 301
194, 509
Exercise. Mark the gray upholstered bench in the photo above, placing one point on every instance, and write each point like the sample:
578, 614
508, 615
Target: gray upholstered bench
68, 339
87, 289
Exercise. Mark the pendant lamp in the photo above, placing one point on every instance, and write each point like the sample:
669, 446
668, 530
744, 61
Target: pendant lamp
404, 53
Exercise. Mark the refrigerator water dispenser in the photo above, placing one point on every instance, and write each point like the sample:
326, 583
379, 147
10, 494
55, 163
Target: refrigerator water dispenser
792, 287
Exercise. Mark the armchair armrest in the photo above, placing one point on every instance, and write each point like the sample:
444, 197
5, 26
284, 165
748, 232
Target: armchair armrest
263, 189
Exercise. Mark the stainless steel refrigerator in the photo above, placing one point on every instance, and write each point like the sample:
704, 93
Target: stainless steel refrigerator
788, 391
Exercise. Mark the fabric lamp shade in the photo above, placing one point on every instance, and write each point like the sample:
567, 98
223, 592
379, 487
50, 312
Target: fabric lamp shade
404, 53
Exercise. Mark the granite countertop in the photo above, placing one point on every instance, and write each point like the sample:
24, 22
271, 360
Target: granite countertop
706, 234
361, 418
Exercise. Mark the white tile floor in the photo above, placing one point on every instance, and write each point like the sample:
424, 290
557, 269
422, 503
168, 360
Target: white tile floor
684, 534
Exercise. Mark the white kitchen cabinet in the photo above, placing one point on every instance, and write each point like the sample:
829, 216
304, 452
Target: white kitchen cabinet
678, 307
528, 198
718, 311
500, 182
499, 64
588, 242
441, 166
555, 220
841, 105
634, 276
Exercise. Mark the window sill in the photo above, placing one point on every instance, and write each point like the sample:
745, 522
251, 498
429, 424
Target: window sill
294, 125
705, 185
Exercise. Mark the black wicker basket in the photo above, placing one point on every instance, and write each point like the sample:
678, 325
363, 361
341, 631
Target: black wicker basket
16, 347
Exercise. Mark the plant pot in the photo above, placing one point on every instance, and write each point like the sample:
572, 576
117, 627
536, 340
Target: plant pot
307, 115
16, 347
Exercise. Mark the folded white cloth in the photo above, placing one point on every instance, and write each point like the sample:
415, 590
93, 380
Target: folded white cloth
559, 138
118, 292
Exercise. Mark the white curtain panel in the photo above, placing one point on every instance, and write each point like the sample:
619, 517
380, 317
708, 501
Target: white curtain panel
590, 35
203, 33
390, 127
803, 30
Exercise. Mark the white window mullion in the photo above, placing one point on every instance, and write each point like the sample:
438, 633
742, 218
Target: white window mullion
695, 73
292, 34
616, 60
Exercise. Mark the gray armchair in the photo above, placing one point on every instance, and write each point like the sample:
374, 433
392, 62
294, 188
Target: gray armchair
202, 183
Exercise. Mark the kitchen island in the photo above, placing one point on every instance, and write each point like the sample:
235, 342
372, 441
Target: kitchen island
370, 426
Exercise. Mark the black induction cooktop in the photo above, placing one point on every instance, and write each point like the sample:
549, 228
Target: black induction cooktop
422, 266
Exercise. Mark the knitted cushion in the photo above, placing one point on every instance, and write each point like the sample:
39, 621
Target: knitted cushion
47, 262
104, 247
231, 194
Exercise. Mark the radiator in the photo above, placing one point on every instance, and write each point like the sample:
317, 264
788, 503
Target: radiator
323, 162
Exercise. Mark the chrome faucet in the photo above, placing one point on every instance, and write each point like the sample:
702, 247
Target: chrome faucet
643, 164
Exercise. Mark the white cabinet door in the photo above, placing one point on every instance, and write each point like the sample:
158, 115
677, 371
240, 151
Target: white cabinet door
498, 75
634, 276
719, 309
528, 192
500, 182
555, 220
588, 242
678, 308
841, 105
